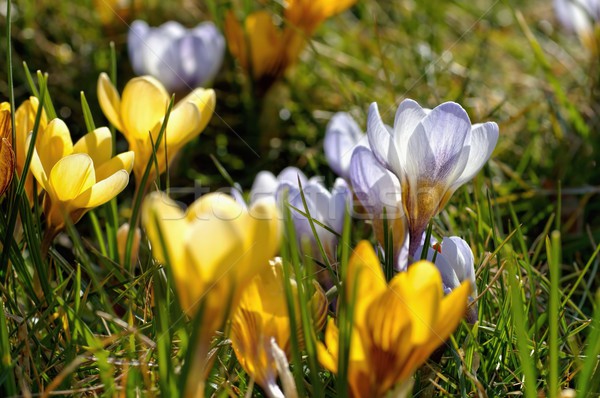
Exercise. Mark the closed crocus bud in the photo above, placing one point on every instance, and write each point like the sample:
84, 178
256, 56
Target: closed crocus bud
122, 233
181, 59
454, 259
325, 207
342, 136
76, 177
432, 153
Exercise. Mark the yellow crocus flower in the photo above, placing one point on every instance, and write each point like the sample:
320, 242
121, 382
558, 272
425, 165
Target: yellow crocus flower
262, 317
396, 327
76, 177
307, 15
7, 155
212, 249
140, 112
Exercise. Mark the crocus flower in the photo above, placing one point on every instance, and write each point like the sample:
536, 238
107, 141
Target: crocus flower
396, 327
379, 192
456, 263
139, 115
262, 49
580, 17
342, 136
181, 59
122, 234
212, 249
325, 207
77, 177
262, 319
307, 15
265, 184
7, 155
433, 153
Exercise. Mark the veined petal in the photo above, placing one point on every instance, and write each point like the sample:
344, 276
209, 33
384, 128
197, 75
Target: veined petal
7, 164
381, 141
71, 176
110, 101
421, 289
123, 161
408, 116
341, 137
97, 144
53, 143
144, 104
435, 148
483, 141
102, 191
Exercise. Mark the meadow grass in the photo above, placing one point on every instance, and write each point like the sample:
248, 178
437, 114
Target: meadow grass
76, 321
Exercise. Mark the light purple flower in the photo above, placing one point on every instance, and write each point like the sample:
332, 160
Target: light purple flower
266, 184
456, 263
379, 192
577, 16
342, 136
433, 153
323, 206
182, 59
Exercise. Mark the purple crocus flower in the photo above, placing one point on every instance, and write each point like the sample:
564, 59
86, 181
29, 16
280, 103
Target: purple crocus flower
342, 136
323, 206
577, 15
455, 260
432, 153
378, 191
182, 59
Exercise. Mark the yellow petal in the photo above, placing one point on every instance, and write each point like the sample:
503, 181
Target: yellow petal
110, 101
24, 123
7, 164
53, 143
216, 249
452, 310
328, 353
219, 205
123, 161
102, 191
144, 104
236, 39
421, 290
37, 169
97, 144
71, 176
366, 276
266, 47
190, 116
162, 216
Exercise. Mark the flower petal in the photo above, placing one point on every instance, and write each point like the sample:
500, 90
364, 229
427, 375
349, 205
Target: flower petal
136, 46
53, 143
7, 164
144, 104
483, 141
264, 186
458, 253
110, 101
291, 174
103, 191
97, 144
123, 161
408, 116
71, 176
341, 137
204, 100
381, 141
366, 276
